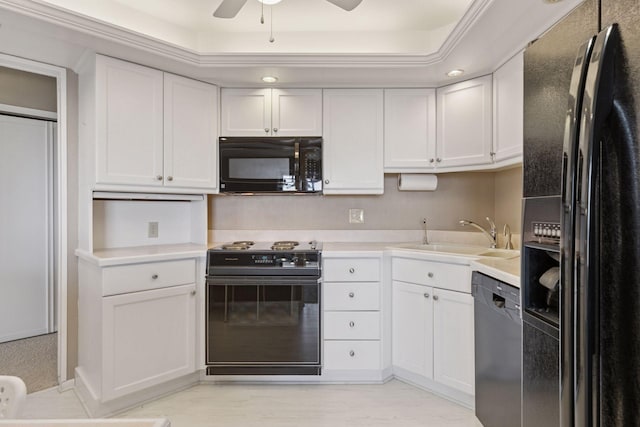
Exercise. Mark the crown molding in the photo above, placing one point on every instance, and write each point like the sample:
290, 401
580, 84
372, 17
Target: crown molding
77, 22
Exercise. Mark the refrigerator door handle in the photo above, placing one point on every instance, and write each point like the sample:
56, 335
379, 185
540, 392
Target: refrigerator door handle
597, 103
567, 249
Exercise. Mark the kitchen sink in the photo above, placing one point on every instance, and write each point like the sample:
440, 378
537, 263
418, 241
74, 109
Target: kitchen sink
467, 250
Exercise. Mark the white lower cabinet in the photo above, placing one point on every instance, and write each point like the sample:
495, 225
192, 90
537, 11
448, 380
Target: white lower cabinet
148, 338
432, 327
352, 317
138, 327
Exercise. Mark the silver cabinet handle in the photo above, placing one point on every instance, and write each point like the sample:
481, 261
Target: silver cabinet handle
352, 270
275, 130
430, 275
326, 181
159, 178
352, 353
266, 130
169, 178
426, 295
154, 277
193, 293
351, 295
438, 160
432, 160
352, 324
435, 297
492, 153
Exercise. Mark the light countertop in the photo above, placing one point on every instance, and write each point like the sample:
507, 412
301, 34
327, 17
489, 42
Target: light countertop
505, 270
134, 255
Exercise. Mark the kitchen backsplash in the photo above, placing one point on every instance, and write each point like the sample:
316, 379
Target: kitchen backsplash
459, 195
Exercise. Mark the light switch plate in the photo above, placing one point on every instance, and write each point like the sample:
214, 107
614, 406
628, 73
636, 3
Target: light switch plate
356, 216
153, 229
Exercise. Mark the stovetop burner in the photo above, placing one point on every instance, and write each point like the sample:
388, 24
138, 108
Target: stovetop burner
284, 245
241, 245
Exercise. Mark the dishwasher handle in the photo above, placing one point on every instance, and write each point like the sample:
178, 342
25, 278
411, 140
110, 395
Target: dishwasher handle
498, 301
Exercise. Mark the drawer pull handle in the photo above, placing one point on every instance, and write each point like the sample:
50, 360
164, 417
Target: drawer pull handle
430, 274
159, 178
352, 270
435, 297
352, 324
154, 277
426, 295
351, 295
193, 293
352, 353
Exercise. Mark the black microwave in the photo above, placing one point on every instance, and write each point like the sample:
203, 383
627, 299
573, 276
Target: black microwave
270, 165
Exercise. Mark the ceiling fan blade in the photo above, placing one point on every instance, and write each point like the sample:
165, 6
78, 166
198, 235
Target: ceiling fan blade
229, 8
347, 5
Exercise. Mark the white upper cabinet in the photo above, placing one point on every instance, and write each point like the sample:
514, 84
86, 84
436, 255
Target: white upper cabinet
129, 123
353, 141
151, 129
190, 132
508, 102
409, 130
464, 124
271, 112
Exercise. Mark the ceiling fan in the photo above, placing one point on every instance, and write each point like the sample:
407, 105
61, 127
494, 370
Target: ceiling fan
230, 8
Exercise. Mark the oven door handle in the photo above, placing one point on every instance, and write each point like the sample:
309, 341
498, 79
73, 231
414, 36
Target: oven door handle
262, 280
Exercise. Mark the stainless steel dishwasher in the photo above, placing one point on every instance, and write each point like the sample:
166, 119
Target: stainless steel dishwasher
498, 352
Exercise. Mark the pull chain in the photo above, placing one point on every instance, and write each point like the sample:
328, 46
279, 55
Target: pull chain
271, 38
262, 13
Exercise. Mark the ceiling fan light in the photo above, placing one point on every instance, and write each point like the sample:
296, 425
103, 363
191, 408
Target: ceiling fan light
269, 79
270, 2
455, 73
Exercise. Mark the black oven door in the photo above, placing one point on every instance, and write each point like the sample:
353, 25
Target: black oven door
268, 165
263, 325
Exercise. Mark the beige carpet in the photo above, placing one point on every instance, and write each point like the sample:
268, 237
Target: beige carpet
32, 359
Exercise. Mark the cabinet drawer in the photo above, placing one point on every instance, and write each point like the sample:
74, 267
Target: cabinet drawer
439, 274
352, 355
352, 296
351, 270
141, 277
347, 325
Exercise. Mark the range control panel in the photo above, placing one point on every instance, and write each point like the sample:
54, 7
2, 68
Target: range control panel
546, 230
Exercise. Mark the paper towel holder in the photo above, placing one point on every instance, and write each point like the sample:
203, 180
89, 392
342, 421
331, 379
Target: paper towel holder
417, 182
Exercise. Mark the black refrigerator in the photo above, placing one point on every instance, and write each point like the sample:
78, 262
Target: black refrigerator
581, 285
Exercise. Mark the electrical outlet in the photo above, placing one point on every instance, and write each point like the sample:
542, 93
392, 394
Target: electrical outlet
153, 229
356, 216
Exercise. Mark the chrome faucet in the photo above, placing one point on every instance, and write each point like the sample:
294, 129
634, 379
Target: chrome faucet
425, 239
491, 234
507, 234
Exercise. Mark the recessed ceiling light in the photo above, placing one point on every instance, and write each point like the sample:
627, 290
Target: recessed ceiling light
269, 79
455, 73
270, 2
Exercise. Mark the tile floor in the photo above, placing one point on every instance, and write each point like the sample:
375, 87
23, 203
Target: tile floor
392, 404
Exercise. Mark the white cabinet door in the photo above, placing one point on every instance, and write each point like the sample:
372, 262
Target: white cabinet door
129, 123
190, 133
296, 112
352, 146
245, 112
453, 339
409, 130
412, 334
148, 339
508, 109
464, 123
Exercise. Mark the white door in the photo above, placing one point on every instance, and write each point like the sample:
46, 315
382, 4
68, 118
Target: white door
149, 338
453, 334
508, 109
245, 112
412, 333
464, 123
353, 141
128, 123
190, 133
296, 112
26, 228
409, 130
